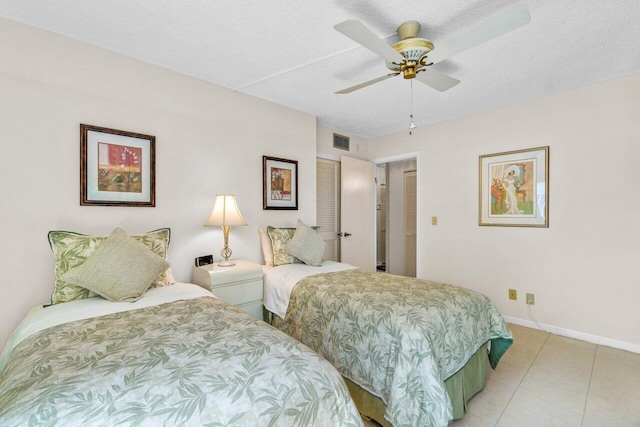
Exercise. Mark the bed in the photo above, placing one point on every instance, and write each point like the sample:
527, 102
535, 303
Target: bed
122, 344
413, 351
178, 356
399, 339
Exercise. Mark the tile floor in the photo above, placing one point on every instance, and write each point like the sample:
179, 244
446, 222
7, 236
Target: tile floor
548, 380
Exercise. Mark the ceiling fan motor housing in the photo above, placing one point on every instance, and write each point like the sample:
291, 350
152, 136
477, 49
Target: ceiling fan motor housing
412, 48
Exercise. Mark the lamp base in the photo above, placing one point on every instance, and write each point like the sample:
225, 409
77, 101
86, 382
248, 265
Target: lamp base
226, 251
226, 263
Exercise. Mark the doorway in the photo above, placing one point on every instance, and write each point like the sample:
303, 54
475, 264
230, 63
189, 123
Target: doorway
345, 210
329, 187
396, 225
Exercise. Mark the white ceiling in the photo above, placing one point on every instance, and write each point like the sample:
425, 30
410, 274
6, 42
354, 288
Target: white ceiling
287, 51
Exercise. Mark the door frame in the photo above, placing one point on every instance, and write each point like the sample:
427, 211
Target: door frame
408, 156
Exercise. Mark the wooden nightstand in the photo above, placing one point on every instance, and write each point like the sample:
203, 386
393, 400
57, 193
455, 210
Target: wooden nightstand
239, 285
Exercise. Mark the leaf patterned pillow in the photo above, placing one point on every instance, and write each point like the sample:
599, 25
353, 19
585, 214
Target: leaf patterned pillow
279, 239
120, 269
71, 249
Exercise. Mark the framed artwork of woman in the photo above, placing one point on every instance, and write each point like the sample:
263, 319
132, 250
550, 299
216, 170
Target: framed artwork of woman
514, 188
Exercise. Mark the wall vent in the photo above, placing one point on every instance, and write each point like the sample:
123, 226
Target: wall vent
341, 142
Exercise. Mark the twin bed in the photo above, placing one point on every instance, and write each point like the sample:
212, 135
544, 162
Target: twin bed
411, 352
178, 356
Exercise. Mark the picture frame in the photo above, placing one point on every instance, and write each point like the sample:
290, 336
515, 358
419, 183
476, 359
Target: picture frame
514, 188
117, 168
280, 183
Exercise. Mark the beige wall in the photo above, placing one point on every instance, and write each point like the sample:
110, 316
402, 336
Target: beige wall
584, 268
208, 140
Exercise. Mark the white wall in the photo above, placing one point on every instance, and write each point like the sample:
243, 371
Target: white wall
208, 140
584, 269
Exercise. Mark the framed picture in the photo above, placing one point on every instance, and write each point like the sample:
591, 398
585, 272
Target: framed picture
514, 188
280, 183
117, 168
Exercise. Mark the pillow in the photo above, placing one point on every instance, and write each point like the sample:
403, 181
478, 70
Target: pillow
279, 238
306, 245
71, 249
267, 248
120, 269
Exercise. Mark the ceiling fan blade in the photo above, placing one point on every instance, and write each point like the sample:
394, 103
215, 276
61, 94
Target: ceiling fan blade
357, 32
501, 24
365, 84
436, 80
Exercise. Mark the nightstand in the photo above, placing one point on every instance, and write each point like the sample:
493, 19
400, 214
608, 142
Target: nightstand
239, 285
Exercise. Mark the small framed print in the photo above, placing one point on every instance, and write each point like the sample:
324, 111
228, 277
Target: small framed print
280, 183
514, 188
117, 168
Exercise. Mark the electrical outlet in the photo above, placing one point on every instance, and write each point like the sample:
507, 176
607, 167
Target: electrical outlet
513, 294
434, 220
531, 299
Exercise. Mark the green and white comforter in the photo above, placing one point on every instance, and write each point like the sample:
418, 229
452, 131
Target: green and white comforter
189, 362
397, 337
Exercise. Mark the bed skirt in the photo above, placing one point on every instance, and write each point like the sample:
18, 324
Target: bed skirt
461, 387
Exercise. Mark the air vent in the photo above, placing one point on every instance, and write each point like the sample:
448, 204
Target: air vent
341, 142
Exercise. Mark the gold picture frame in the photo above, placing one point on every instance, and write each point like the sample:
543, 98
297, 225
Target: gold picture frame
514, 188
117, 168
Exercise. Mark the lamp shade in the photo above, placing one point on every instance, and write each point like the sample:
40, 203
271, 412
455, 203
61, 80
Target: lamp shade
225, 212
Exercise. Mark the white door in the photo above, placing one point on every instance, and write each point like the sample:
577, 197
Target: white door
358, 213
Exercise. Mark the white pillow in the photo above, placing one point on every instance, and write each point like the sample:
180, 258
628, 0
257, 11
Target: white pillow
306, 245
267, 247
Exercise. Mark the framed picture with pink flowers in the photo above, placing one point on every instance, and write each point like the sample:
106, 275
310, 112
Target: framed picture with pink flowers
117, 168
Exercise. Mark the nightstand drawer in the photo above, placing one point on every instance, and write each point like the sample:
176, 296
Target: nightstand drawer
239, 292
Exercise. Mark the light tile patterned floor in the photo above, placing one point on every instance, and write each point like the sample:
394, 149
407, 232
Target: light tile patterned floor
548, 380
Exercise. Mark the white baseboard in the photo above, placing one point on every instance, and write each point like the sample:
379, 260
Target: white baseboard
594, 339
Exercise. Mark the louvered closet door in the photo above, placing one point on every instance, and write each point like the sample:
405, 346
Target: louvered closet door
328, 206
410, 223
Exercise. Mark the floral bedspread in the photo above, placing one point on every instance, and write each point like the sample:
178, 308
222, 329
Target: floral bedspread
399, 338
190, 362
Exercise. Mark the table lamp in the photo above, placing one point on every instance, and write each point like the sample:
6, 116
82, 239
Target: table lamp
225, 214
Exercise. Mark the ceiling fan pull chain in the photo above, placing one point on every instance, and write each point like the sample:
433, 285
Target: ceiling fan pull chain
412, 124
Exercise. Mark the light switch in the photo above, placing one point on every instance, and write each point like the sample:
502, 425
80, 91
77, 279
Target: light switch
434, 220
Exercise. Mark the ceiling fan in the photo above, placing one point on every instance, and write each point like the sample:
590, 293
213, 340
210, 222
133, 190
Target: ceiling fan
412, 56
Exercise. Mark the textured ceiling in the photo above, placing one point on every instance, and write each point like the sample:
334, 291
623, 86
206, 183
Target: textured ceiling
288, 52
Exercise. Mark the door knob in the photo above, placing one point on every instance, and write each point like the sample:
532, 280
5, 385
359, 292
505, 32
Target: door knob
344, 234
